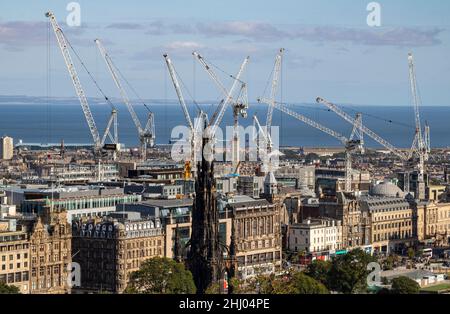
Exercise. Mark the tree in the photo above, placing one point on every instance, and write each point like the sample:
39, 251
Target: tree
348, 273
213, 288
319, 270
5, 289
303, 284
264, 284
389, 262
283, 285
291, 283
404, 285
235, 286
161, 275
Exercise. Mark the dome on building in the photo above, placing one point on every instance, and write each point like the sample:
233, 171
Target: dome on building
387, 189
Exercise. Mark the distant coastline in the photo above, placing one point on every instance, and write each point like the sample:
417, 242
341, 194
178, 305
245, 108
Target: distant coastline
28, 100
36, 120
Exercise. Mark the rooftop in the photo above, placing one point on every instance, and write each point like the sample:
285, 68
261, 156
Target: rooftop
169, 203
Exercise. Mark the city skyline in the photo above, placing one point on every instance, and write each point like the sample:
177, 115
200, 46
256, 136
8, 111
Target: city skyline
330, 49
241, 150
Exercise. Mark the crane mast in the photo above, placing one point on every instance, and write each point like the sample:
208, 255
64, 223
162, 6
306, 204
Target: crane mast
194, 129
274, 87
266, 137
427, 138
178, 90
420, 141
357, 134
263, 153
413, 83
75, 80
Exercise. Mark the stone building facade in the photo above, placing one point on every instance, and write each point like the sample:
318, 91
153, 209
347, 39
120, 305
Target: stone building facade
315, 235
15, 259
257, 236
36, 253
390, 223
109, 250
50, 254
433, 222
346, 208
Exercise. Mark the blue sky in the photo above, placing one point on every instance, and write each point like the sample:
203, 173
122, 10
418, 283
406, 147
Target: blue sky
330, 49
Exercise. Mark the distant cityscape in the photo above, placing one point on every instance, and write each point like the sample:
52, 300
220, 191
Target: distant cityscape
217, 198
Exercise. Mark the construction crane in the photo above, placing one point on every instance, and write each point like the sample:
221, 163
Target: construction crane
239, 103
195, 128
147, 134
364, 129
405, 158
420, 143
99, 142
427, 137
273, 91
357, 132
352, 144
272, 99
266, 136
271, 104
265, 152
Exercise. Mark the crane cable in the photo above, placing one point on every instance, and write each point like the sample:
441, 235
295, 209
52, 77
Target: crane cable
224, 72
187, 90
210, 109
48, 83
390, 121
133, 90
88, 72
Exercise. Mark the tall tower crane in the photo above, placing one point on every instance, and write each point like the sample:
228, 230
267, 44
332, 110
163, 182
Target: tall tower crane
195, 128
421, 138
147, 134
274, 88
64, 47
272, 98
239, 103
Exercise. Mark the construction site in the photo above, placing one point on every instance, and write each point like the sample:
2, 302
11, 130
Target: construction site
228, 202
